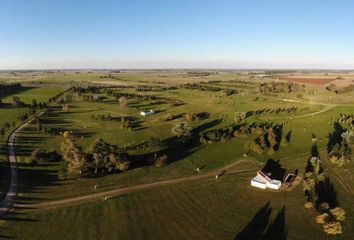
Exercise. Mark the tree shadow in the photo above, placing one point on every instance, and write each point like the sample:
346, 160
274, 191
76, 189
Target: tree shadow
278, 130
335, 137
288, 136
314, 150
207, 125
326, 193
277, 229
260, 227
203, 115
175, 148
256, 227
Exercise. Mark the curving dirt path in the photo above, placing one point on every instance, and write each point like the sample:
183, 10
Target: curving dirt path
8, 201
105, 195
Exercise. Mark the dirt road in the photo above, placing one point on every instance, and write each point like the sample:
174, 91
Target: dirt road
122, 191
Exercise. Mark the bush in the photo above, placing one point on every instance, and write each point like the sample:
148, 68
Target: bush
338, 213
123, 165
324, 207
332, 228
322, 218
191, 117
161, 161
308, 205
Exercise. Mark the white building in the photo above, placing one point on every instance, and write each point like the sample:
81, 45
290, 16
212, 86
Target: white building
263, 181
146, 113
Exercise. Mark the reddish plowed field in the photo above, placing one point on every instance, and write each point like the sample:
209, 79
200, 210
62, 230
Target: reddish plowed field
318, 81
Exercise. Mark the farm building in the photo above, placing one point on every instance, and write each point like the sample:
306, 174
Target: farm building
263, 181
146, 113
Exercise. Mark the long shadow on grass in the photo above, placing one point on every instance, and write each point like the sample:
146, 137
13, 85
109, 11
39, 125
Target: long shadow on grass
326, 193
256, 227
175, 148
15, 91
335, 137
35, 178
277, 228
261, 228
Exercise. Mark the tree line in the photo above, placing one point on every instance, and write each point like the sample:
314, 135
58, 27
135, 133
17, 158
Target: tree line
320, 195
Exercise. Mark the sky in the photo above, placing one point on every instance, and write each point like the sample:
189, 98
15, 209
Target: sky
233, 34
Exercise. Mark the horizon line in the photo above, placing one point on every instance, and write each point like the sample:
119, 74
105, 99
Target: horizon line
177, 68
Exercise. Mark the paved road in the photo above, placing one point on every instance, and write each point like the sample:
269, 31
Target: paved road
9, 199
122, 191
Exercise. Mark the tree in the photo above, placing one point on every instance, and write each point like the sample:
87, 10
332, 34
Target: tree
126, 124
2, 133
106, 157
348, 136
34, 103
122, 102
73, 155
272, 137
67, 134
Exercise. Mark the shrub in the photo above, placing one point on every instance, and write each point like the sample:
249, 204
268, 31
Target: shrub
191, 117
308, 205
308, 184
123, 165
167, 117
322, 218
338, 213
161, 161
324, 207
332, 228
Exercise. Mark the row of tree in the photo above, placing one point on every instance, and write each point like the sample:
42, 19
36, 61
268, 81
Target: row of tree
321, 196
280, 87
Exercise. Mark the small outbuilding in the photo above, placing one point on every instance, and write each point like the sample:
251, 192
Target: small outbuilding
146, 113
263, 181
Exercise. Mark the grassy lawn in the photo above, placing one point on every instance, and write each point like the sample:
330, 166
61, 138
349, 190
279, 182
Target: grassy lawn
205, 209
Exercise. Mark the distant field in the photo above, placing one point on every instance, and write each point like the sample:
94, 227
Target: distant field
309, 80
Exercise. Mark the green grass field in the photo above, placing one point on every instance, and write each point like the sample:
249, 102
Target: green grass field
201, 209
